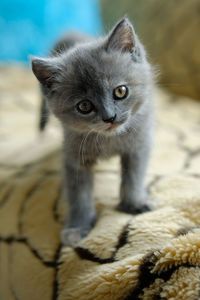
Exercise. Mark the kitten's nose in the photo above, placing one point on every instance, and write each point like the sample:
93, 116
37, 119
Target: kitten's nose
110, 120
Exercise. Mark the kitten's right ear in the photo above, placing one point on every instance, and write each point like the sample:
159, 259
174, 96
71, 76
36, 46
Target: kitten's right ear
44, 70
122, 37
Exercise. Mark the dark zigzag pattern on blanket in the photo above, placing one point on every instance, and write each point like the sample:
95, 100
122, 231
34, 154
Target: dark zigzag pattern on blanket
7, 195
84, 253
123, 240
12, 289
12, 239
52, 264
186, 230
18, 175
55, 207
13, 292
27, 197
29, 194
55, 284
146, 278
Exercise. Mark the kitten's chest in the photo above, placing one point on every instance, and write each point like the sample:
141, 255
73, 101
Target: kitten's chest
87, 149
105, 147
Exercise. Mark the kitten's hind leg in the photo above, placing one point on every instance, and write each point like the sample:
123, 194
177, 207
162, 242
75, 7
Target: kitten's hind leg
81, 209
44, 115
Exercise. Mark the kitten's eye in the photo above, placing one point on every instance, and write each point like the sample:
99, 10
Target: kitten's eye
120, 92
85, 107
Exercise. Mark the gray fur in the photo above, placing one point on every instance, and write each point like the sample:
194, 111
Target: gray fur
92, 70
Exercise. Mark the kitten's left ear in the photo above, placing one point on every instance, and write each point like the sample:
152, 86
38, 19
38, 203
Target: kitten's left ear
122, 37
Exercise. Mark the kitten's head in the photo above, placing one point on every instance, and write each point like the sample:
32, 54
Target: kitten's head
97, 86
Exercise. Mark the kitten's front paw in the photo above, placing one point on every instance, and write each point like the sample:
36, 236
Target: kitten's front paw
137, 208
74, 232
72, 236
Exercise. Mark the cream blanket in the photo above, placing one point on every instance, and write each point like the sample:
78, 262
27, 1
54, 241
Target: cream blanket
150, 256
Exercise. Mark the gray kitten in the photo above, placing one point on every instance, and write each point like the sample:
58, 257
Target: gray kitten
100, 90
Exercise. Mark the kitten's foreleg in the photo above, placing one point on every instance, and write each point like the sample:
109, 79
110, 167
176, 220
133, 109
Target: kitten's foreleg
78, 183
133, 195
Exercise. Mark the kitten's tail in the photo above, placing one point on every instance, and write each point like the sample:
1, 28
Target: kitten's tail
44, 115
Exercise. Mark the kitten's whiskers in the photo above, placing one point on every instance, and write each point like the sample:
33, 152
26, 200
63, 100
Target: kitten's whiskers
82, 146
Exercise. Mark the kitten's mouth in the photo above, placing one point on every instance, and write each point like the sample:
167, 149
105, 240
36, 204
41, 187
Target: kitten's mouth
108, 128
113, 126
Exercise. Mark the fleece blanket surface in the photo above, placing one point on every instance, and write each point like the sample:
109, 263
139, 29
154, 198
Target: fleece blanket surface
155, 255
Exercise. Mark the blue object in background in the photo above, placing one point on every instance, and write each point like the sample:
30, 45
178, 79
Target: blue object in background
32, 26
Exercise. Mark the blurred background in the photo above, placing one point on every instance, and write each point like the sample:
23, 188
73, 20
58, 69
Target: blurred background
32, 26
168, 29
